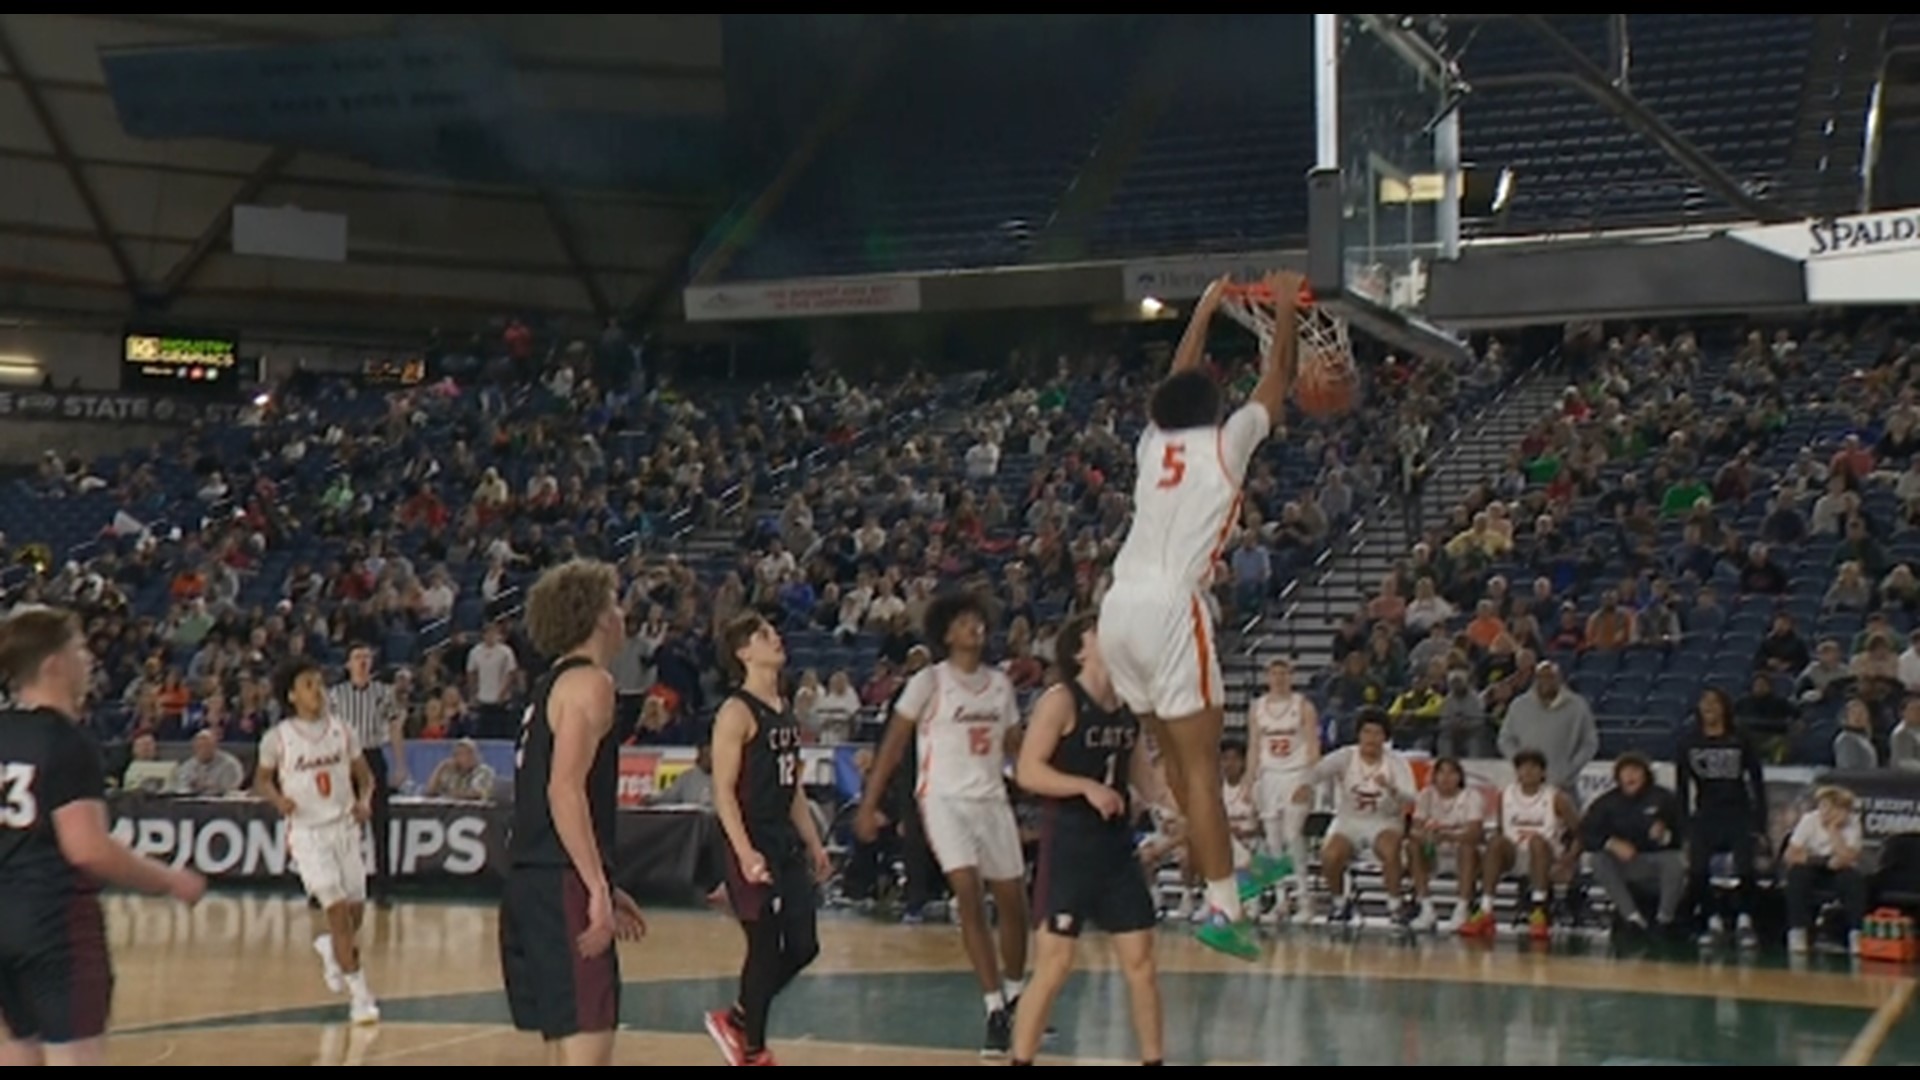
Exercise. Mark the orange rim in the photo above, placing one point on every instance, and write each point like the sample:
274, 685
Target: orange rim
1263, 293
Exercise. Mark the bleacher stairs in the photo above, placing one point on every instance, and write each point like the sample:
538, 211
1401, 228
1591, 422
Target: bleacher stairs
1311, 614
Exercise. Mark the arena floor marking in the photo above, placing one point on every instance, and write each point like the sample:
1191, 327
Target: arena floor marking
236, 980
1867, 1045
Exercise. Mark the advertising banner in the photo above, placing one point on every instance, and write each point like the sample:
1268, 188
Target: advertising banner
824, 298
1858, 259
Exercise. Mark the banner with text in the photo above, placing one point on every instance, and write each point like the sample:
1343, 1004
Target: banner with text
83, 406
1187, 278
659, 854
825, 298
1859, 259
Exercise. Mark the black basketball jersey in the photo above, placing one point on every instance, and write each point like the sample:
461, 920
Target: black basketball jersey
46, 762
769, 773
535, 842
1099, 748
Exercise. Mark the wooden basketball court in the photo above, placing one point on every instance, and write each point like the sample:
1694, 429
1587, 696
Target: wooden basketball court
235, 981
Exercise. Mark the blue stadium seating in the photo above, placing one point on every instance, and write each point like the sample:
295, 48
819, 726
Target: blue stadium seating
1729, 83
958, 157
929, 177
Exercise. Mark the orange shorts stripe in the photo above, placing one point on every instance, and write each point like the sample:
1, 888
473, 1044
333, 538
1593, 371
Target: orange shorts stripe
1203, 650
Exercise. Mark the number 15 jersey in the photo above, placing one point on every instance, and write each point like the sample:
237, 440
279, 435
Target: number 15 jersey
963, 720
1186, 499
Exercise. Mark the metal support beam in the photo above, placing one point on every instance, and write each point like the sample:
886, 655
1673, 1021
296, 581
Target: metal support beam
570, 247
203, 245
1620, 48
1594, 81
70, 163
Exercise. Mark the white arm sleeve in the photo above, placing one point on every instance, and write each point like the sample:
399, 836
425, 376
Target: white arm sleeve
270, 748
917, 697
1241, 435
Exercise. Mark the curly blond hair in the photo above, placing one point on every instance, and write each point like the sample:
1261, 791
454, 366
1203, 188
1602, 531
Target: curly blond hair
564, 607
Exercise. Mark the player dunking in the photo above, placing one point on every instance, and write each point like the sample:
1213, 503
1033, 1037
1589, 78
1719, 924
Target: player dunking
561, 914
774, 854
965, 716
311, 769
56, 977
1081, 753
1156, 629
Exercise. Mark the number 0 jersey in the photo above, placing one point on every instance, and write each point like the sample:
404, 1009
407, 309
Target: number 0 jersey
46, 762
313, 762
963, 719
1186, 499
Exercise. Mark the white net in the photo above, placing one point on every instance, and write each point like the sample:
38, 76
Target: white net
1324, 337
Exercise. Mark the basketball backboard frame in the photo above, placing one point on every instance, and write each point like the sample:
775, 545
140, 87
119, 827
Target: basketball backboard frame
1370, 237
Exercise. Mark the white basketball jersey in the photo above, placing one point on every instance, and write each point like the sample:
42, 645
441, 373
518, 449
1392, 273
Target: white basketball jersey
1280, 725
1363, 790
963, 722
1435, 810
1524, 816
1186, 499
1243, 813
315, 769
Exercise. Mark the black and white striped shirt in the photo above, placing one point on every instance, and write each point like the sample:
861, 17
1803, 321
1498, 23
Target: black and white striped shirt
366, 710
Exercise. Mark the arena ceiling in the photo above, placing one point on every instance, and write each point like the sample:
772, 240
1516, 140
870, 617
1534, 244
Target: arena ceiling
99, 224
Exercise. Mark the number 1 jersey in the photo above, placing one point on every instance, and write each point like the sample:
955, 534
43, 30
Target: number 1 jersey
46, 762
1186, 499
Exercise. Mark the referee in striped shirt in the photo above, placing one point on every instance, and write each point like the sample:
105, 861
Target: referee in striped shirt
372, 712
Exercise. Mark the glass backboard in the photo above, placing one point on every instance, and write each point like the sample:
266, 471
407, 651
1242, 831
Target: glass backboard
1385, 124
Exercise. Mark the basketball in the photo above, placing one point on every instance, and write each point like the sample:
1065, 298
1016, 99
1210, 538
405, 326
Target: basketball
1325, 387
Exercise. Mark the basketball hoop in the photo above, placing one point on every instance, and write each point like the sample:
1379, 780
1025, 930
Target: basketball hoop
1326, 380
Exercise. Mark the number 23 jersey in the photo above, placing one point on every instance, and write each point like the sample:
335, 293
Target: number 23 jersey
963, 719
46, 762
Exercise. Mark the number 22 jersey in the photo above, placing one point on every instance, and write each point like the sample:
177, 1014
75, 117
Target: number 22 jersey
963, 719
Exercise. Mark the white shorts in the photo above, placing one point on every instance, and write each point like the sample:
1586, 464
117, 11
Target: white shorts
1523, 857
1158, 646
332, 865
976, 834
1273, 793
1361, 832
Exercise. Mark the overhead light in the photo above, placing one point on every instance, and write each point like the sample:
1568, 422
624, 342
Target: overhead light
20, 365
1502, 190
1151, 308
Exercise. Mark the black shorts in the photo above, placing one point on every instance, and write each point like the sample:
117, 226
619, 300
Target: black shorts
551, 988
792, 885
1089, 876
56, 978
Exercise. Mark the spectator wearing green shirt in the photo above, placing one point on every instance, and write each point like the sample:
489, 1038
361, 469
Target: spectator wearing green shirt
1683, 496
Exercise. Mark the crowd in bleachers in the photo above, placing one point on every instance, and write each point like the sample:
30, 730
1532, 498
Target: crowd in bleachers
410, 520
1737, 516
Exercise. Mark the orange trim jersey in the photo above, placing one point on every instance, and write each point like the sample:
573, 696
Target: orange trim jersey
963, 718
1186, 499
